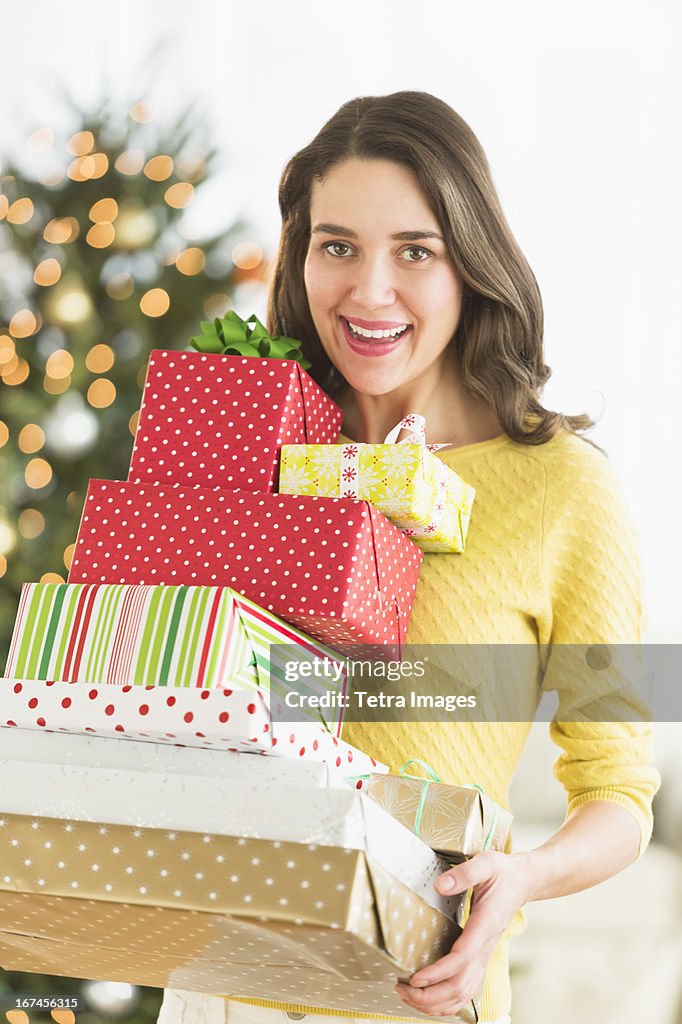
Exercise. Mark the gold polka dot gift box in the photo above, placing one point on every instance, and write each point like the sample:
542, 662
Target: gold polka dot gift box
323, 904
406, 481
335, 568
174, 664
219, 421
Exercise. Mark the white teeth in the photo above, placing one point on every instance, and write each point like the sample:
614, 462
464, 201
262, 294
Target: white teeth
362, 332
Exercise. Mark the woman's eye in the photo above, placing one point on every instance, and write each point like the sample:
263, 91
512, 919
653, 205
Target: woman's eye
416, 254
334, 247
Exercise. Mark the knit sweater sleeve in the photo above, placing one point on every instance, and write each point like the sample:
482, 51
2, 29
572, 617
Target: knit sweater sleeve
593, 585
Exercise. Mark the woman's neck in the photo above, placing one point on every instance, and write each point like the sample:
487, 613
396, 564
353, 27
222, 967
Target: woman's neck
453, 416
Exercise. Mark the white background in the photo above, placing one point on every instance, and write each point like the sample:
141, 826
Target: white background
577, 107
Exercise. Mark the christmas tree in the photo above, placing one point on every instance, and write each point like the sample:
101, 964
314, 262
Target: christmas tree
96, 269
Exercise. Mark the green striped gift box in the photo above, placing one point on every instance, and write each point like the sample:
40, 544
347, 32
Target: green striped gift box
177, 636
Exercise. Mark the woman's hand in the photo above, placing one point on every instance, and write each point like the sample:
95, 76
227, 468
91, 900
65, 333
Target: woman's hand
598, 839
501, 886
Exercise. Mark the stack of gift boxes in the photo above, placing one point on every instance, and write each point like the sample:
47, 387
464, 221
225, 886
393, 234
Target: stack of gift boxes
191, 582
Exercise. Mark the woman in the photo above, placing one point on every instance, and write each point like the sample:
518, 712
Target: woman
400, 274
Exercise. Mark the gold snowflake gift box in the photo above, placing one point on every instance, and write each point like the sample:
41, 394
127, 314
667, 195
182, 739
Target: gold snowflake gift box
302, 895
455, 821
406, 481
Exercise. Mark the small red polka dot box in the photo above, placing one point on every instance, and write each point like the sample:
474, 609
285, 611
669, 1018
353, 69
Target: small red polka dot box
211, 420
336, 568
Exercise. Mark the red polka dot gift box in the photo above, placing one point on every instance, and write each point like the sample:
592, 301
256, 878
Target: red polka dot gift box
219, 421
336, 568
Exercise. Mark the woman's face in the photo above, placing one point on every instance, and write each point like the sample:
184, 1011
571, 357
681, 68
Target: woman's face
383, 292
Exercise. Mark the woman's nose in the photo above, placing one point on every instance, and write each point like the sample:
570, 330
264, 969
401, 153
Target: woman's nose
373, 285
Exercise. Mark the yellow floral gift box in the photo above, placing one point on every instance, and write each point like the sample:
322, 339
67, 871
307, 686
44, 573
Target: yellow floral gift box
406, 481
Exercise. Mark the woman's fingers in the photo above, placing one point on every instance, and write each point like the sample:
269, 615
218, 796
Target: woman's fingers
453, 963
448, 984
444, 997
498, 881
467, 875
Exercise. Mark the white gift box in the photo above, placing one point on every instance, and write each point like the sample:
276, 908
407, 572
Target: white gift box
70, 750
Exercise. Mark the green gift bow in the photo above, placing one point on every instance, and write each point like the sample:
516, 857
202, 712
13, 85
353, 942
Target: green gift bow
232, 336
487, 842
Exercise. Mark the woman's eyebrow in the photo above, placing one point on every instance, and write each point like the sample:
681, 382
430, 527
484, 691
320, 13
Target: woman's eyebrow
400, 236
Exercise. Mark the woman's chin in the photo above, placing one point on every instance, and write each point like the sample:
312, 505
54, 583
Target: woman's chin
378, 376
373, 383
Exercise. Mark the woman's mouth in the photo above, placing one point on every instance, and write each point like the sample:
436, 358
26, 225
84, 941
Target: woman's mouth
378, 341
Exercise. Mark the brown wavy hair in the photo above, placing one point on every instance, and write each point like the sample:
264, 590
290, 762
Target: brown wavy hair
498, 341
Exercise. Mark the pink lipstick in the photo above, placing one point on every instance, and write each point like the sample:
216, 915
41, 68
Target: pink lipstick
372, 346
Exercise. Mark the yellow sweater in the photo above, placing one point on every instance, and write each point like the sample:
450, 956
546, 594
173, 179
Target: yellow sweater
551, 556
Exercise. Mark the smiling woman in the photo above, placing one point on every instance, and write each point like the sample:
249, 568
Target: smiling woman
384, 307
399, 273
397, 190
